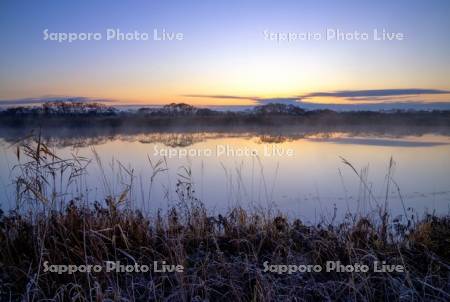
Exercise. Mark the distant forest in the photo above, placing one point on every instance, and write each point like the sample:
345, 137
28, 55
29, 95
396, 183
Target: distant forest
82, 114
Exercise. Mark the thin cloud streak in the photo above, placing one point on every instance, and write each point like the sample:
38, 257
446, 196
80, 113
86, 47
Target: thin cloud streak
41, 100
249, 98
374, 93
370, 95
215, 96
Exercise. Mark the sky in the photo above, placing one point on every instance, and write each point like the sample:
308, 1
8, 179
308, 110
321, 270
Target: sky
229, 53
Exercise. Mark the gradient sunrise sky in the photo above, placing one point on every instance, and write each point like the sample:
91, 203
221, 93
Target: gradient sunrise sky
224, 57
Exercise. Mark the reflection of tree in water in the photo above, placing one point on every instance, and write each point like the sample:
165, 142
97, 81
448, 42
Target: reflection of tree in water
274, 139
177, 139
173, 139
184, 139
168, 139
84, 137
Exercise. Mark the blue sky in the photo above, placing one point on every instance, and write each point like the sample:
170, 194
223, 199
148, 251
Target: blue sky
223, 51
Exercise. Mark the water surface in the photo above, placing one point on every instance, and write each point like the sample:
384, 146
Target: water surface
301, 173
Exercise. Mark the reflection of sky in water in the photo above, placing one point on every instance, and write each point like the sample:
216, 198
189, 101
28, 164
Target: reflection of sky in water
383, 142
307, 184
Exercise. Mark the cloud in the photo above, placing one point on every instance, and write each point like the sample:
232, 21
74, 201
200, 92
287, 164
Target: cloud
218, 96
286, 101
374, 94
371, 100
259, 100
45, 99
405, 105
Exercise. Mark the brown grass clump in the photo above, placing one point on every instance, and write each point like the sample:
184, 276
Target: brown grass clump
433, 234
223, 257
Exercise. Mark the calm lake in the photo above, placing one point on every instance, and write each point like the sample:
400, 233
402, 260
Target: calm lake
301, 173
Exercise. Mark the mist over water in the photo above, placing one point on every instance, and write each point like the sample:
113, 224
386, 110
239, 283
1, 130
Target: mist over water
299, 171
